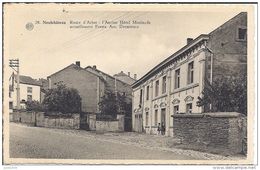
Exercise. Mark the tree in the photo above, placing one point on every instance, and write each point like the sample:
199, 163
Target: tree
108, 104
62, 99
34, 106
225, 94
112, 105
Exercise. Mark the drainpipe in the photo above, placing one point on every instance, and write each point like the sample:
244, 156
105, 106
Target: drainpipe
211, 68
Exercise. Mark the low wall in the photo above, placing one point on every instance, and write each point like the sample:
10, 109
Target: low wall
212, 132
111, 125
39, 119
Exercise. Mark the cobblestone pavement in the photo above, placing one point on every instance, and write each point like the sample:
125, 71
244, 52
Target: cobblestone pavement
155, 142
127, 145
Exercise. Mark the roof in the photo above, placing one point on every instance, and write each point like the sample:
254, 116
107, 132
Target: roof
121, 74
27, 80
170, 58
78, 68
101, 72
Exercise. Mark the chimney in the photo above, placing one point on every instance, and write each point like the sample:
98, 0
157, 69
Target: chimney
135, 76
94, 66
78, 63
129, 74
189, 40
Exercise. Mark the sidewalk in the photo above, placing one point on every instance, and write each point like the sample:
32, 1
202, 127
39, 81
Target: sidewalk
155, 142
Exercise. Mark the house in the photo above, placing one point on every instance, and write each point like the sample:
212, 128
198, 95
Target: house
44, 87
29, 90
113, 83
125, 77
173, 86
91, 84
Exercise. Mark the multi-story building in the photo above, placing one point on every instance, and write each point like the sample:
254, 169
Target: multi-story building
174, 85
91, 84
29, 90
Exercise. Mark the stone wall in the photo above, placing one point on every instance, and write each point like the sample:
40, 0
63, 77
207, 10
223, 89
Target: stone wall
41, 120
211, 132
111, 125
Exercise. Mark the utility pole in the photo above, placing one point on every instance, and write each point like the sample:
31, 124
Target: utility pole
117, 107
14, 64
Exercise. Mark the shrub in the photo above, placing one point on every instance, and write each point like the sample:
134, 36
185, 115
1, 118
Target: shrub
62, 99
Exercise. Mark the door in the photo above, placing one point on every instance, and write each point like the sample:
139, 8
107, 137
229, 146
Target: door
163, 117
138, 123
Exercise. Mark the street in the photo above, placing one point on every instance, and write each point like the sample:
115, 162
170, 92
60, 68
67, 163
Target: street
36, 142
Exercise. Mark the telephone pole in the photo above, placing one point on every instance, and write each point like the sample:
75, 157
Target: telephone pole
14, 64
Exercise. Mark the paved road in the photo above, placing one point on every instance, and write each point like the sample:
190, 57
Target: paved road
35, 142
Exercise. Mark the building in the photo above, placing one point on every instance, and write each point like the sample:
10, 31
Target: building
173, 86
91, 84
29, 90
125, 77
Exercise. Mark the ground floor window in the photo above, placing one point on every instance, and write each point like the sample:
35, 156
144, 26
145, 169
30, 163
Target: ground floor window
146, 118
155, 117
176, 109
189, 108
10, 105
29, 97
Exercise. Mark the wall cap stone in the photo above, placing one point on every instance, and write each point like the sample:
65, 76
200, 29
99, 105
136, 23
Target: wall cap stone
215, 114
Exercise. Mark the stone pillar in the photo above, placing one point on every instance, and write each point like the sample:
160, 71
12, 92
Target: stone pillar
142, 108
202, 76
168, 111
151, 106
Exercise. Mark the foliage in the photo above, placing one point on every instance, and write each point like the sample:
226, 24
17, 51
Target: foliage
226, 94
62, 99
112, 104
34, 106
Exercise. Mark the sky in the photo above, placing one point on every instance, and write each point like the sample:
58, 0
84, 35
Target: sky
48, 48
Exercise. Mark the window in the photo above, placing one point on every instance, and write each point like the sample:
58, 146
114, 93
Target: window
147, 92
141, 96
10, 105
189, 108
177, 79
29, 97
29, 89
164, 85
176, 109
146, 118
155, 117
190, 72
156, 88
242, 34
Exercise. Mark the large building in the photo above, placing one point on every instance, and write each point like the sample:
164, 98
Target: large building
174, 85
91, 84
29, 90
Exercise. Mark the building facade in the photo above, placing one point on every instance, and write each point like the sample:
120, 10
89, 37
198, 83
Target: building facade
91, 84
29, 91
174, 85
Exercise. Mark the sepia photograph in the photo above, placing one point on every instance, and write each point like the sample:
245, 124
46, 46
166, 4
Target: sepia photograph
129, 83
